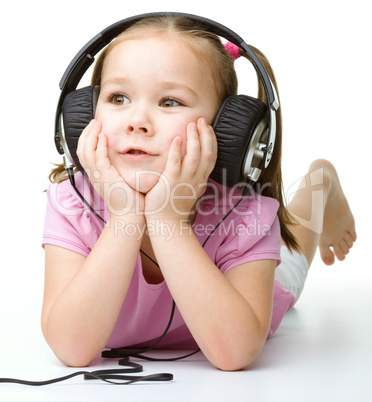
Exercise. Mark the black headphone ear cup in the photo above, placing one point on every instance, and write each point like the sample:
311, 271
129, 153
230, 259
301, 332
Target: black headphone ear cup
234, 125
78, 110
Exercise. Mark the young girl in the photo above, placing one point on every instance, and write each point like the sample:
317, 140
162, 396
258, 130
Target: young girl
147, 156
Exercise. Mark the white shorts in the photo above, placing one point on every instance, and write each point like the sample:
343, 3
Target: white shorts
292, 271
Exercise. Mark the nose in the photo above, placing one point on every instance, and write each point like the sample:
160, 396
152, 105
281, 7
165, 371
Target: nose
132, 129
139, 122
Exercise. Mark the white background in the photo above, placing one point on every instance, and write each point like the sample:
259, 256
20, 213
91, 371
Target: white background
320, 52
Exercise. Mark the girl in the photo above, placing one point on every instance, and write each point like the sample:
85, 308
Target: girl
148, 155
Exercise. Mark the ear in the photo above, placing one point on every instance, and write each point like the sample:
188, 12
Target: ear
234, 126
78, 110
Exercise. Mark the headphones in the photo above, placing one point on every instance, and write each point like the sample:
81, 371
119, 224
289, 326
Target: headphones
244, 126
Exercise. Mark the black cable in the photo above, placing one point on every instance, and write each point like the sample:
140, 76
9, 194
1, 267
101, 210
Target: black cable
103, 375
70, 172
153, 359
248, 187
122, 353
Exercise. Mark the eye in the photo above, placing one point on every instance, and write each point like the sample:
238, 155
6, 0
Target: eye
119, 99
169, 102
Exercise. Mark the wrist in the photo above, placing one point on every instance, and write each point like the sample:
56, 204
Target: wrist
172, 215
132, 225
130, 217
168, 228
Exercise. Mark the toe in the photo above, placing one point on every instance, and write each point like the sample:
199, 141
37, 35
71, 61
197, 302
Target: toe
349, 240
353, 234
339, 253
327, 255
344, 247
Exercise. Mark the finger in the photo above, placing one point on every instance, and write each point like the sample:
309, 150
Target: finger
173, 165
191, 159
85, 134
81, 141
208, 143
89, 145
91, 138
215, 145
102, 160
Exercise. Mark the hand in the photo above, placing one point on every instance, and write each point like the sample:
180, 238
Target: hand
184, 180
92, 152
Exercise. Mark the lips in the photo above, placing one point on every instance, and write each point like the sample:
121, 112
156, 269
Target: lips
136, 152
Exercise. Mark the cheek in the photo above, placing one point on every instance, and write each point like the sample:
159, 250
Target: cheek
179, 129
99, 112
109, 126
107, 119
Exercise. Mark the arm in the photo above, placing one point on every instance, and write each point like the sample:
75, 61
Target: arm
83, 296
229, 315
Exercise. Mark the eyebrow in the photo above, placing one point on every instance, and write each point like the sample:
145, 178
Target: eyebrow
167, 85
178, 85
115, 81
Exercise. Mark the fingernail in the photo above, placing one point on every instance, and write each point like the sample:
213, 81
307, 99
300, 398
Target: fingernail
203, 122
193, 127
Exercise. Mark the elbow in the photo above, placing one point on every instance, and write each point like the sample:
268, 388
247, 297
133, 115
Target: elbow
73, 352
77, 355
238, 354
235, 361
76, 362
74, 356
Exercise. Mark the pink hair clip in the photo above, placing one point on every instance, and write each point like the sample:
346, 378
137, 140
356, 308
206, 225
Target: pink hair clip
232, 50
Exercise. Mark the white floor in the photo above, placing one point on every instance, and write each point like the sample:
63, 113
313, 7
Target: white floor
322, 352
321, 55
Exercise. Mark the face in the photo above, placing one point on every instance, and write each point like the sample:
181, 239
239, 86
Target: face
151, 89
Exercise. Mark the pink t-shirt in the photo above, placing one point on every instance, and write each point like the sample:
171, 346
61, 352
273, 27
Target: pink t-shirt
251, 232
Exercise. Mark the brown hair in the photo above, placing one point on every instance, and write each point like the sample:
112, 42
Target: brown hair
208, 48
271, 177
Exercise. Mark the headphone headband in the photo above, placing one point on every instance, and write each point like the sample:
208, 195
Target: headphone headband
85, 57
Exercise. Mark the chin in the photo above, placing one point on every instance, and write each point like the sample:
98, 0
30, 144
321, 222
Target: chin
143, 182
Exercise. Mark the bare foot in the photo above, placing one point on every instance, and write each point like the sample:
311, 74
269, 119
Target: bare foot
338, 225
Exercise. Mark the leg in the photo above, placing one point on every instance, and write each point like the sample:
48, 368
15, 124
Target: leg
323, 214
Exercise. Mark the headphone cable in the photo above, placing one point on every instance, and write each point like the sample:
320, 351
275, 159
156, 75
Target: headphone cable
122, 353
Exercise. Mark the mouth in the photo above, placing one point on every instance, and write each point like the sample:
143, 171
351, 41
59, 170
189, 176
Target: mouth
136, 153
